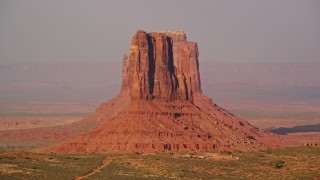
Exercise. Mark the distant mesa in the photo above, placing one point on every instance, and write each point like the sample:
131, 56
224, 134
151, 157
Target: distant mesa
161, 106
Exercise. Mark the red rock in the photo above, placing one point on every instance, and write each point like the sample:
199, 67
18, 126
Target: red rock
161, 106
124, 84
163, 65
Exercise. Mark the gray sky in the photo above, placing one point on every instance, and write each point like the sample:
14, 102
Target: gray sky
227, 31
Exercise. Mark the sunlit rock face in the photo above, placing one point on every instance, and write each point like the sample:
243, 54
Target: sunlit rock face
162, 65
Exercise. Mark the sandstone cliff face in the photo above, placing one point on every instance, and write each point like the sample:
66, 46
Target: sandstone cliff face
161, 106
162, 65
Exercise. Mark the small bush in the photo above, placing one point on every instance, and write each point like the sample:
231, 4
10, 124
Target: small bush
226, 152
268, 151
138, 153
278, 164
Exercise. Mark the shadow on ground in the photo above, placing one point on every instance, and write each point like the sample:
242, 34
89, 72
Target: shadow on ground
296, 129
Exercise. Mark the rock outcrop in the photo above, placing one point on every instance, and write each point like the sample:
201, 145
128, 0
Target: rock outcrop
163, 65
165, 108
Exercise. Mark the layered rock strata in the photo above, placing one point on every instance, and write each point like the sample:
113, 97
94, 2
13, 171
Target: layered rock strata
165, 108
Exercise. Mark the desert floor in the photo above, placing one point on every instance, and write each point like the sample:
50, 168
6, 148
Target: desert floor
298, 122
288, 163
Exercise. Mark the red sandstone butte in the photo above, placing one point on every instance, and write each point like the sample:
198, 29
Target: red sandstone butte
165, 109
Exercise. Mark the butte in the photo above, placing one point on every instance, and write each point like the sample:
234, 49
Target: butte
161, 106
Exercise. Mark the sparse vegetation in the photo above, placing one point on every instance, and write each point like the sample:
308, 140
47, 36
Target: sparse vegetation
138, 153
226, 152
278, 164
289, 163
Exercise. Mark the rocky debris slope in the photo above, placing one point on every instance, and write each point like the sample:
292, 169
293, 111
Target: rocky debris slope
166, 110
156, 126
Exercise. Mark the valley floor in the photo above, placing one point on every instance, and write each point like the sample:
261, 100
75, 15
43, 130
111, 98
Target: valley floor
288, 163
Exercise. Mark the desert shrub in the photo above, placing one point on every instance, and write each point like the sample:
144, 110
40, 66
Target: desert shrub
278, 164
225, 152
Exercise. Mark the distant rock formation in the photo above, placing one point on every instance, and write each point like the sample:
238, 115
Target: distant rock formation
124, 84
161, 106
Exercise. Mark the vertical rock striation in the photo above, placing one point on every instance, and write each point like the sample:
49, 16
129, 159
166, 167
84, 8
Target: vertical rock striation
162, 65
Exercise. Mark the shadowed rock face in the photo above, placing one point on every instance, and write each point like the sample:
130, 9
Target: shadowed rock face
162, 65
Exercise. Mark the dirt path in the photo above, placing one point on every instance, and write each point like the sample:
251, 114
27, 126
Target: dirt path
105, 162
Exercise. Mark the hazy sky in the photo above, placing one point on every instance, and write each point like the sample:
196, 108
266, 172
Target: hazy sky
227, 31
